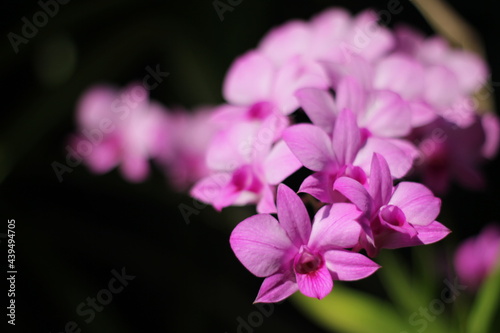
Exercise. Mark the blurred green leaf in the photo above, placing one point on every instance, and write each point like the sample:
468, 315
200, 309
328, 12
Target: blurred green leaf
398, 282
486, 303
351, 311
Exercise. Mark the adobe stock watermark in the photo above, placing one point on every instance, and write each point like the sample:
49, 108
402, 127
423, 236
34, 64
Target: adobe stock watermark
255, 319
364, 35
425, 315
30, 28
87, 309
221, 6
121, 107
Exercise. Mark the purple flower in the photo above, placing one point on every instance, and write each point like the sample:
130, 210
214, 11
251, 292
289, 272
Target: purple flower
431, 76
293, 255
189, 135
380, 113
121, 128
468, 70
346, 152
288, 57
253, 79
448, 152
476, 257
393, 217
246, 166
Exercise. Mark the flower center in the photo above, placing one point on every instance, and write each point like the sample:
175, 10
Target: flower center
307, 262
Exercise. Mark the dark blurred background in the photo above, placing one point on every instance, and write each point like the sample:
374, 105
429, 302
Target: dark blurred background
70, 235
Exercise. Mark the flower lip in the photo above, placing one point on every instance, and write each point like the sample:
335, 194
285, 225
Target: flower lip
393, 215
243, 179
353, 172
260, 110
307, 261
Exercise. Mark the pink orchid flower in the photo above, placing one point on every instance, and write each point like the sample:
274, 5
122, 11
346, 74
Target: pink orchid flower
392, 217
469, 69
433, 78
476, 257
246, 166
331, 35
254, 79
122, 128
346, 152
293, 255
448, 77
287, 59
184, 155
379, 113
449, 152
396, 73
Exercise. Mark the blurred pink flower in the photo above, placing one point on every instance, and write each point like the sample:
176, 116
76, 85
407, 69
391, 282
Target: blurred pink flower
333, 35
245, 164
119, 128
449, 152
289, 57
188, 137
450, 76
254, 79
477, 256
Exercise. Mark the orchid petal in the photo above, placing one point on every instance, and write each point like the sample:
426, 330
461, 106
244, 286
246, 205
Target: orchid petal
470, 69
399, 160
351, 95
355, 192
280, 163
210, 187
387, 115
266, 203
417, 202
134, 168
295, 74
421, 113
277, 287
346, 137
317, 284
349, 266
441, 86
319, 185
286, 41
249, 79
319, 106
355, 66
378, 40
335, 226
491, 126
401, 74
427, 234
261, 244
380, 181
311, 145
232, 147
293, 216
96, 103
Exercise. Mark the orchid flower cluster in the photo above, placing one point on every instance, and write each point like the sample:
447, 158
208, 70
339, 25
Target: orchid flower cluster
381, 105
